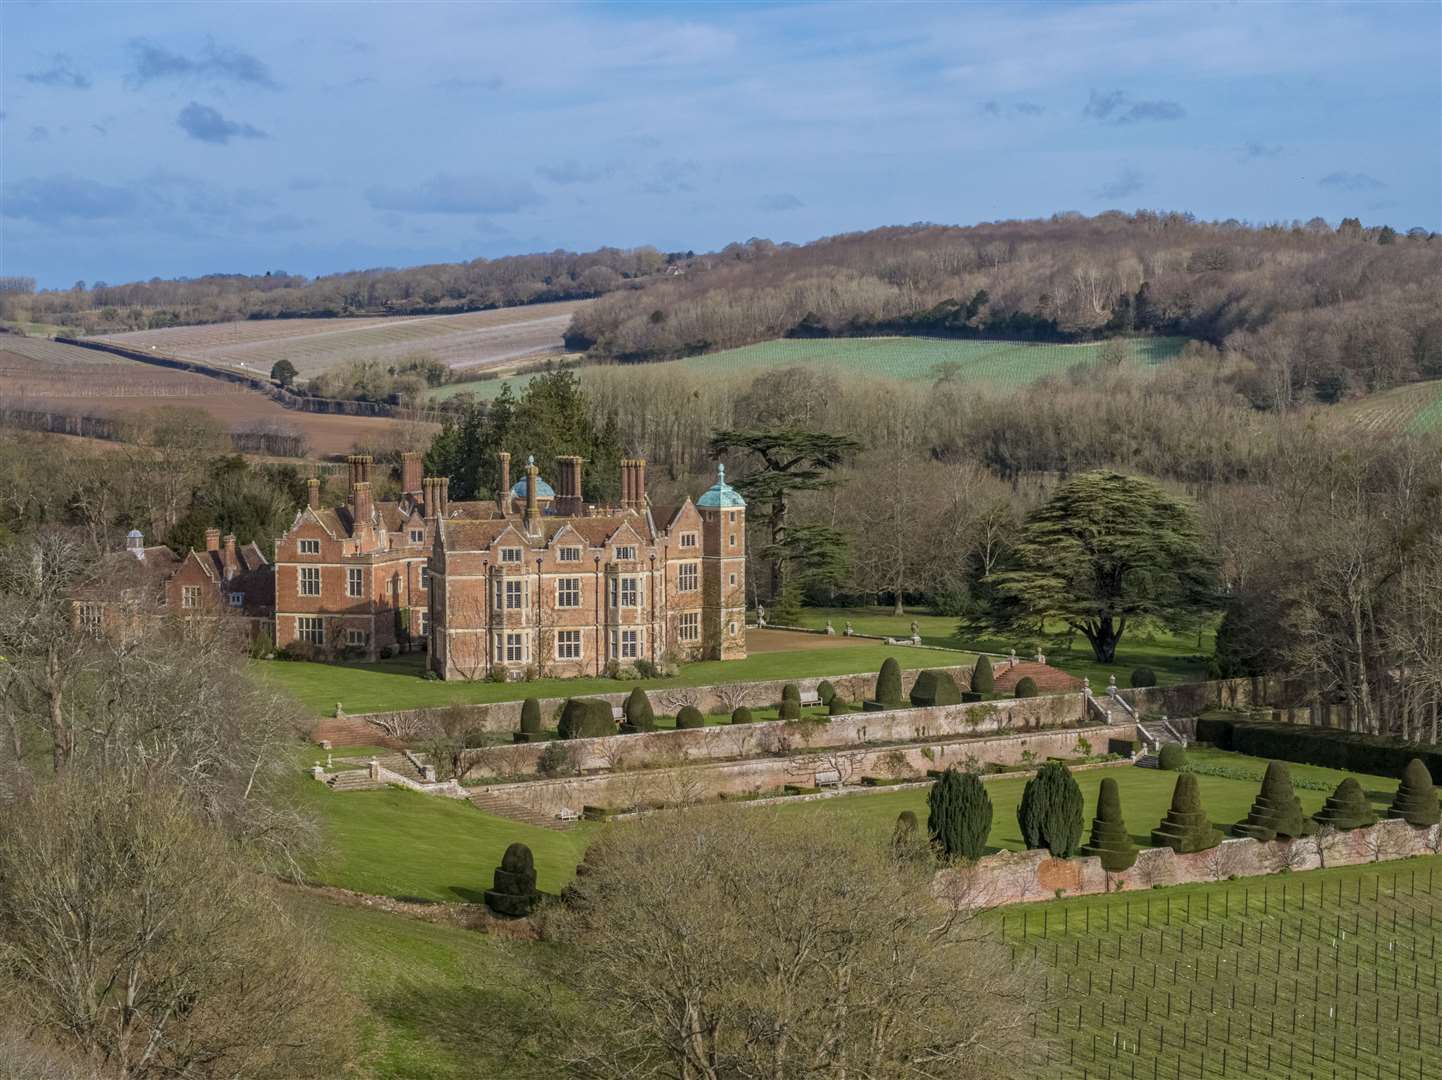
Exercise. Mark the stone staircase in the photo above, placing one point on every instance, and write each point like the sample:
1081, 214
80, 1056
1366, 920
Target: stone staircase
1157, 733
501, 806
353, 780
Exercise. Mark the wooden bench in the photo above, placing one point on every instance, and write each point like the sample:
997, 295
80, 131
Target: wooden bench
567, 814
830, 778
810, 697
617, 713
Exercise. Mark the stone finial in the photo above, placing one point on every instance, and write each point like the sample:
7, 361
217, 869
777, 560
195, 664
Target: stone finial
338, 710
1111, 682
720, 473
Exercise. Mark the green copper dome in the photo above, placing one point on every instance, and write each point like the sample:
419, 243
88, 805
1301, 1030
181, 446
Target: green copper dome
721, 494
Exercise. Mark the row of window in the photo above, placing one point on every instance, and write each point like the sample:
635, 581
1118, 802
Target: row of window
308, 584
623, 592
513, 555
515, 648
311, 630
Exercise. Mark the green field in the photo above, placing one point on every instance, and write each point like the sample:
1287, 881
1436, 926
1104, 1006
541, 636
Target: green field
397, 683
996, 363
1414, 409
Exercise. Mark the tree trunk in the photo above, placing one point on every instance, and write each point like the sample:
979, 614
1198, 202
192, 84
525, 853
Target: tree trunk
1103, 635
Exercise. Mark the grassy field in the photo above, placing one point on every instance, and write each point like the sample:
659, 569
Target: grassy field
397, 683
995, 363
1416, 409
1329, 975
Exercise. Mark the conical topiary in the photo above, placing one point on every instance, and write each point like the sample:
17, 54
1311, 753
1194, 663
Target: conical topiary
531, 716
959, 815
1347, 808
1416, 802
513, 890
1277, 810
689, 717
1110, 842
638, 712
1186, 827
934, 687
1050, 814
982, 679
888, 683
825, 692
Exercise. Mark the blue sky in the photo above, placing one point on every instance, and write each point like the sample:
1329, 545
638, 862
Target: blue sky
145, 140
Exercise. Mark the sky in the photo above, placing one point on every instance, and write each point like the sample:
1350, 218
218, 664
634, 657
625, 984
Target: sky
164, 140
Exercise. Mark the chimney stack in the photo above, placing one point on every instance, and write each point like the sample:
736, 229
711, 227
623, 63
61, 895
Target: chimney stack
429, 485
360, 470
625, 483
361, 504
312, 493
411, 472
504, 498
533, 498
445, 499
212, 539
633, 484
232, 563
569, 499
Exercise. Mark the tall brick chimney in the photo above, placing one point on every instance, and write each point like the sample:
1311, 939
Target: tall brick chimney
568, 499
232, 562
445, 497
625, 482
633, 484
411, 472
361, 502
504, 495
429, 495
212, 539
312, 493
360, 470
533, 497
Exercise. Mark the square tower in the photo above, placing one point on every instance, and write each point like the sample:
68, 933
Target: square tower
723, 570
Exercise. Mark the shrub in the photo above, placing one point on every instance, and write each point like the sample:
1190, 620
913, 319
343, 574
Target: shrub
1110, 842
585, 718
825, 692
1186, 828
742, 715
1050, 813
1143, 676
1347, 808
1026, 687
646, 669
690, 717
1277, 811
1172, 756
836, 707
262, 646
513, 892
531, 716
934, 687
791, 692
903, 834
959, 815
888, 683
982, 679
1416, 801
789, 710
639, 716
1346, 750
556, 760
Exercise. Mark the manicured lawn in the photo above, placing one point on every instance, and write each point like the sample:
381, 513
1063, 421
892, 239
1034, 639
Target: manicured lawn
397, 683
1146, 795
1174, 657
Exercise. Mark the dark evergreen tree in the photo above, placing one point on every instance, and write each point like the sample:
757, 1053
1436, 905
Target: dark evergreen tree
1186, 828
825, 692
888, 683
1050, 813
1026, 687
791, 692
788, 710
638, 712
1347, 808
983, 681
531, 716
513, 890
1110, 842
1416, 800
283, 372
1277, 811
690, 717
959, 815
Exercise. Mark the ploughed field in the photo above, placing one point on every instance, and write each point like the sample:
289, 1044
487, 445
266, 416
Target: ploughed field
1414, 409
39, 374
475, 339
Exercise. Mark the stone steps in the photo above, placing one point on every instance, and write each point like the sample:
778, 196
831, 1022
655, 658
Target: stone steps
1148, 761
353, 780
500, 806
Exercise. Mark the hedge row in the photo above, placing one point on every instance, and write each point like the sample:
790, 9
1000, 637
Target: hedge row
1345, 750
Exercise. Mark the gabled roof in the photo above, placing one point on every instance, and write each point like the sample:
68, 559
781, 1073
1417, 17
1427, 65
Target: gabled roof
120, 571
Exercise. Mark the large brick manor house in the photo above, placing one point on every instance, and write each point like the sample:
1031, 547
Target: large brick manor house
533, 580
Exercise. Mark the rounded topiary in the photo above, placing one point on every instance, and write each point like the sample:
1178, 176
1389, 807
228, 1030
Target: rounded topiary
1026, 687
1186, 828
513, 891
1277, 811
741, 715
638, 711
791, 692
531, 716
789, 710
1110, 842
825, 692
1143, 676
1050, 814
585, 718
983, 681
888, 682
959, 815
1416, 801
690, 717
934, 687
836, 706
1172, 756
1346, 808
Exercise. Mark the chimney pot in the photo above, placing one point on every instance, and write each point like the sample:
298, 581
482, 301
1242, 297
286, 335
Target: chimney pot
212, 539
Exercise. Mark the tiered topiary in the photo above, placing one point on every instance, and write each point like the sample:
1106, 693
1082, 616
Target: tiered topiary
1110, 842
1172, 756
959, 815
1277, 812
1050, 813
1026, 687
513, 892
983, 681
934, 687
1142, 677
825, 692
585, 718
530, 721
888, 684
1186, 827
1346, 808
1416, 801
741, 715
690, 717
638, 712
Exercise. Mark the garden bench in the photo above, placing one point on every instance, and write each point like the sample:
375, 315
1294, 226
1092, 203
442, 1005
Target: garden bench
617, 713
830, 778
567, 814
810, 697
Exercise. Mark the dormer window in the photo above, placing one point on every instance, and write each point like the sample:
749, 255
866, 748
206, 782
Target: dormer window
418, 536
568, 554
511, 555
688, 540
625, 554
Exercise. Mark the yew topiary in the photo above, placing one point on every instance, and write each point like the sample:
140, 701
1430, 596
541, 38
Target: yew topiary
789, 710
638, 711
888, 683
959, 815
585, 718
837, 707
1026, 687
1110, 842
1416, 801
513, 892
982, 679
690, 717
742, 715
1050, 813
934, 687
825, 692
1186, 828
1172, 756
1143, 677
1277, 811
531, 716
791, 692
1347, 808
